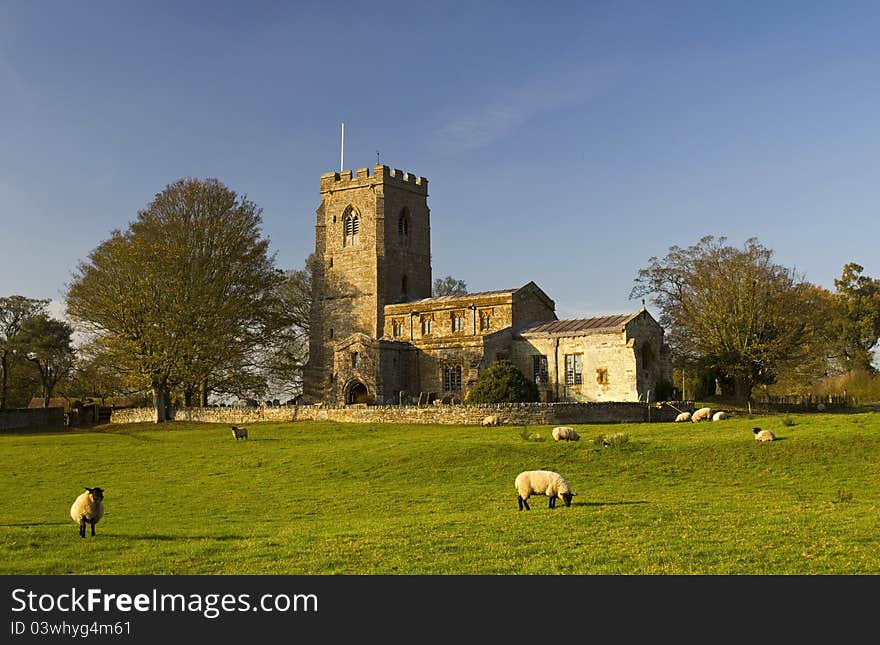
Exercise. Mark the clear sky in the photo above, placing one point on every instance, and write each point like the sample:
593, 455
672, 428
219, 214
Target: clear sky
564, 142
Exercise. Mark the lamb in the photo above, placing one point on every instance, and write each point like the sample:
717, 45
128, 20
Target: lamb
721, 415
763, 435
684, 416
239, 433
541, 482
564, 433
88, 508
703, 414
491, 420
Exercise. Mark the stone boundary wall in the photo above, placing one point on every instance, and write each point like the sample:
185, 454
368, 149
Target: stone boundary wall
32, 418
509, 413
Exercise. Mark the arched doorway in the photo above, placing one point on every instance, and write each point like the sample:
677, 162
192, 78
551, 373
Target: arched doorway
356, 392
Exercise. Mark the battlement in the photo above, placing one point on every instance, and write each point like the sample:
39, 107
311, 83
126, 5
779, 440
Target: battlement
364, 177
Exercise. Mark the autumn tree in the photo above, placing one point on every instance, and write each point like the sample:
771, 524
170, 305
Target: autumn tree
47, 344
449, 286
858, 297
732, 311
14, 312
186, 293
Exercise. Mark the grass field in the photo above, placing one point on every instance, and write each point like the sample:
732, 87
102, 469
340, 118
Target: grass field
312, 498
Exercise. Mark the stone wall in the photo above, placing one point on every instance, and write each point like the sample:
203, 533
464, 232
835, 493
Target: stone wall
32, 418
510, 413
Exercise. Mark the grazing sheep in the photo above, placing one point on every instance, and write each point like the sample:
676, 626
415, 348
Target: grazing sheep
721, 415
491, 420
88, 508
239, 433
541, 482
684, 416
703, 414
564, 433
763, 435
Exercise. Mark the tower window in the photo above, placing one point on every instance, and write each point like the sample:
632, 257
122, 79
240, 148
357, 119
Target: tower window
355, 360
404, 287
403, 226
351, 226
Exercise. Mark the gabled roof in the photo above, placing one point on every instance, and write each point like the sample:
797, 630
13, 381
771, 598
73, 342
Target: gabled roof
578, 326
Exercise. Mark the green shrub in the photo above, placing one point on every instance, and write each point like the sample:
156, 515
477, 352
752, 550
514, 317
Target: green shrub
502, 382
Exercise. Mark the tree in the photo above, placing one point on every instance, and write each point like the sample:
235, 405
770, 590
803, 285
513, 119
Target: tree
449, 286
859, 300
186, 294
290, 350
502, 382
14, 311
47, 344
731, 311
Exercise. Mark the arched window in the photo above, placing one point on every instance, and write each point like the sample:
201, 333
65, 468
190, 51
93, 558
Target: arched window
351, 226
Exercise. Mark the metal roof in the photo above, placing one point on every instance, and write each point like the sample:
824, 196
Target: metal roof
576, 326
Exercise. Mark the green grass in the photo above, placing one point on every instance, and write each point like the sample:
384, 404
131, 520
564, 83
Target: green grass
327, 498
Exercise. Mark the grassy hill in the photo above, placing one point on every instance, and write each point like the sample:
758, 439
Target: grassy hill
324, 498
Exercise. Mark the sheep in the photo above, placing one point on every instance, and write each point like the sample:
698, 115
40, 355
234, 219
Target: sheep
703, 414
684, 416
763, 435
541, 482
491, 420
88, 508
721, 415
564, 433
239, 433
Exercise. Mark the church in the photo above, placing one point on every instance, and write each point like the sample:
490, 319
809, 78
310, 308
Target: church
377, 336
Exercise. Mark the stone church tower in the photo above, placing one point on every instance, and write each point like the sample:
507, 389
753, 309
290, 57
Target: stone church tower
372, 248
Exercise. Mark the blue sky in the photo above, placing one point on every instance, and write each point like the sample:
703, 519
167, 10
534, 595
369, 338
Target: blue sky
564, 142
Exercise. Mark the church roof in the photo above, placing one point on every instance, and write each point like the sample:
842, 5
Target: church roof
577, 326
465, 296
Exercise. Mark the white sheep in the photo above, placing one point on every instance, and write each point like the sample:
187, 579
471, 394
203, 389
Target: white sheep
88, 508
763, 435
703, 414
541, 482
721, 415
491, 420
239, 433
684, 416
564, 433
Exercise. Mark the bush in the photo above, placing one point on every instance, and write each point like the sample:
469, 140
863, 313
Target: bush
502, 382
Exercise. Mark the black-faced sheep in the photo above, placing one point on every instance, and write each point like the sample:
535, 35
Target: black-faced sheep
88, 508
541, 482
703, 414
239, 433
564, 433
763, 435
